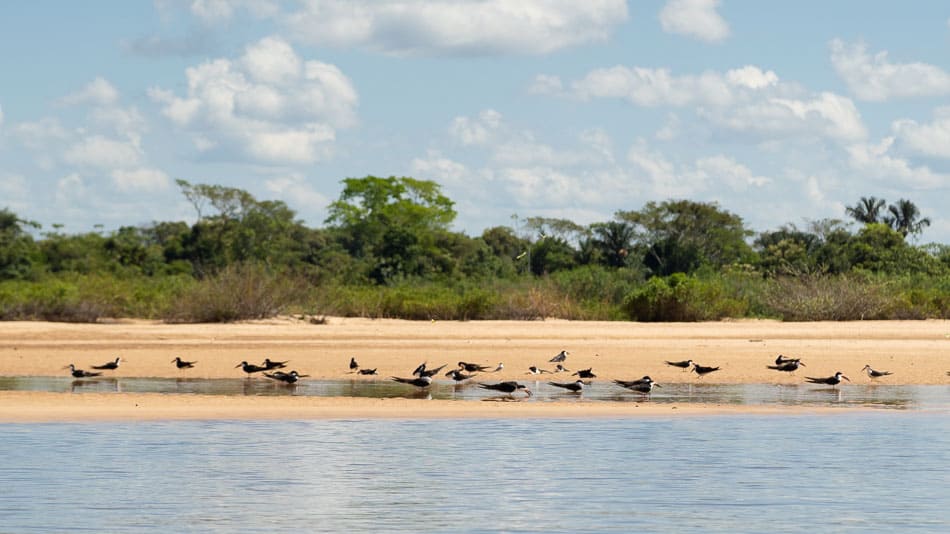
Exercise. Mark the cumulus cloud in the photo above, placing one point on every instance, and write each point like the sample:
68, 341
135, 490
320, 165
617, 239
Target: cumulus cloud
294, 189
876, 161
97, 92
435, 166
103, 153
456, 27
270, 105
670, 180
140, 179
544, 84
475, 131
876, 78
931, 139
827, 114
650, 87
694, 18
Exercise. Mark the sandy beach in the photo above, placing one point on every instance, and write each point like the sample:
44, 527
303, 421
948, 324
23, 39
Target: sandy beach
917, 352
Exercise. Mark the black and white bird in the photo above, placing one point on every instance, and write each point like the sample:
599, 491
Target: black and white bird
458, 375
182, 364
781, 359
431, 372
643, 385
108, 366
473, 367
872, 374
268, 364
499, 368
367, 371
250, 368
828, 381
287, 378
561, 369
507, 387
420, 369
561, 356
703, 370
684, 365
353, 365
419, 382
585, 373
573, 387
535, 370
788, 366
79, 373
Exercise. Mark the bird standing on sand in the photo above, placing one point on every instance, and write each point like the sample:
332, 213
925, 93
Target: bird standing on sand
499, 368
250, 368
367, 371
561, 356
353, 365
268, 364
507, 387
108, 366
702, 370
79, 373
788, 366
182, 364
872, 374
684, 365
535, 370
828, 381
419, 382
643, 385
585, 373
561, 369
573, 387
287, 378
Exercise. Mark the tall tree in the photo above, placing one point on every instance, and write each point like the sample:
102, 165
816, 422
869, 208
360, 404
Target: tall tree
904, 217
613, 241
867, 210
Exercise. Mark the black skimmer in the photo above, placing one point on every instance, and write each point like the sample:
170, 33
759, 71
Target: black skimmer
783, 360
829, 381
353, 365
79, 373
573, 387
287, 378
506, 387
702, 370
561, 356
788, 366
473, 367
268, 364
585, 373
419, 382
367, 371
419, 370
432, 372
250, 368
534, 370
108, 366
499, 368
684, 365
875, 374
458, 376
561, 369
182, 364
642, 385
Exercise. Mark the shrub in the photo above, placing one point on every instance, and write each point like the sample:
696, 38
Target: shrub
679, 297
816, 297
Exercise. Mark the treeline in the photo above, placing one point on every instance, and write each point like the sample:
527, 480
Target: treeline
387, 250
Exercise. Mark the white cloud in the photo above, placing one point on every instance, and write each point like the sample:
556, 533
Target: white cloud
544, 84
875, 161
877, 79
69, 189
1, 116
752, 77
726, 170
827, 115
694, 18
456, 27
654, 87
38, 134
212, 11
98, 92
269, 105
469, 131
297, 192
103, 153
669, 180
141, 179
14, 190
437, 167
927, 139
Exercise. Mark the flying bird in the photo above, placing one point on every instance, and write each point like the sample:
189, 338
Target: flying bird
573, 387
182, 364
875, 374
108, 366
419, 382
684, 365
561, 356
829, 381
79, 373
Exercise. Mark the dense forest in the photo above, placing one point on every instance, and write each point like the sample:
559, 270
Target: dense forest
387, 250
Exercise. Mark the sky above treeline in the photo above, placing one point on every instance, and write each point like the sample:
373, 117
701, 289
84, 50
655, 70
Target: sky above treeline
782, 112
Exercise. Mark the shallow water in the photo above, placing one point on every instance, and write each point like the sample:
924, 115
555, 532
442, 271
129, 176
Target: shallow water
875, 395
881, 471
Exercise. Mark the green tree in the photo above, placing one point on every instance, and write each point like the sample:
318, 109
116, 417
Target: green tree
17, 248
613, 241
904, 217
867, 210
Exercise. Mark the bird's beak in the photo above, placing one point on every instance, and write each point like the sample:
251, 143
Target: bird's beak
846, 378
173, 361
238, 365
802, 364
656, 385
528, 391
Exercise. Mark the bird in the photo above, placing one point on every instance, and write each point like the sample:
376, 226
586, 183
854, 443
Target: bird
499, 368
289, 378
561, 356
830, 381
367, 371
420, 382
108, 365
642, 385
702, 370
353, 365
534, 370
684, 365
431, 372
79, 373
250, 368
585, 373
268, 364
788, 366
782, 360
473, 367
182, 364
420, 369
561, 369
573, 387
506, 387
875, 374
458, 376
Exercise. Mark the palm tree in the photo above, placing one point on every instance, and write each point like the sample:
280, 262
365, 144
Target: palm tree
905, 218
614, 240
867, 211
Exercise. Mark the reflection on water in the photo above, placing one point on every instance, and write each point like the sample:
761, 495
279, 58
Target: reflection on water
857, 472
885, 396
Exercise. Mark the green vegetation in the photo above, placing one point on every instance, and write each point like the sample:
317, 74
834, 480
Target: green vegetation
388, 250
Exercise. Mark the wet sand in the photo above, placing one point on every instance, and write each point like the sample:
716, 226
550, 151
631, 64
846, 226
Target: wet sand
917, 352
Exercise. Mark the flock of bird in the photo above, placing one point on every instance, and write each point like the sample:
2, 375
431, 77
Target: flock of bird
422, 375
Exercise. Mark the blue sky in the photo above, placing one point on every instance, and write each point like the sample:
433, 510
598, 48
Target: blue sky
782, 112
